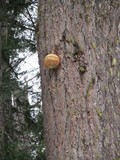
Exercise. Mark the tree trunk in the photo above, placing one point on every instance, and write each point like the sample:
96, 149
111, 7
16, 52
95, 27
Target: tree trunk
81, 98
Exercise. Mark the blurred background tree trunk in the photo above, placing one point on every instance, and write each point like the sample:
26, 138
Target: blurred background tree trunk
1, 102
81, 98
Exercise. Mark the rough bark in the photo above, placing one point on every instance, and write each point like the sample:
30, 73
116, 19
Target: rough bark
81, 98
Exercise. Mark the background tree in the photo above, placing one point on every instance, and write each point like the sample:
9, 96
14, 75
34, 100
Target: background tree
1, 103
21, 133
81, 97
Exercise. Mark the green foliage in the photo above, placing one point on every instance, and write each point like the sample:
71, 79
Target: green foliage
23, 128
14, 153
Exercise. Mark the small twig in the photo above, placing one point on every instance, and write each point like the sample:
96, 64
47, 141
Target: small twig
8, 137
30, 17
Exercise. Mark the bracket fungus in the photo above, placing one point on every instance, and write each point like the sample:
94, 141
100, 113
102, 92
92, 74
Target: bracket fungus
51, 61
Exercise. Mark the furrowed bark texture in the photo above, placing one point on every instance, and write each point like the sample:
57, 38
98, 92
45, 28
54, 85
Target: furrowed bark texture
81, 98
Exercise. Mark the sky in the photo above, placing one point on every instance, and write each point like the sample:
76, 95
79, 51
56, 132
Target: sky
30, 64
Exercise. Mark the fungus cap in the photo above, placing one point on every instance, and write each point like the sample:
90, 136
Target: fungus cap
51, 61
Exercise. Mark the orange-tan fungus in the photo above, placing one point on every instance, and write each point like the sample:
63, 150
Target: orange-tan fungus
51, 61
